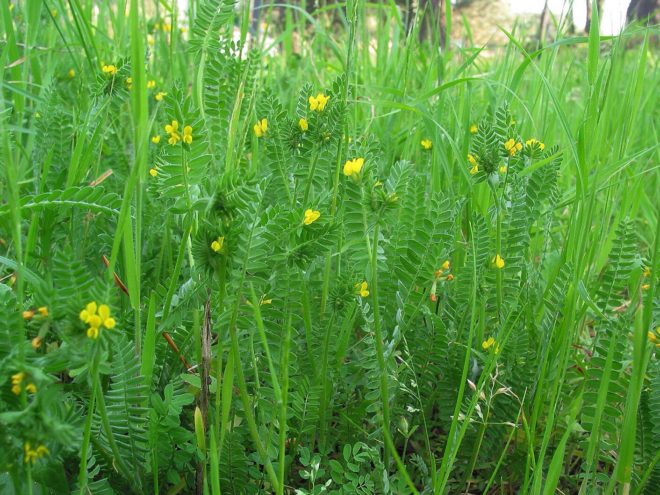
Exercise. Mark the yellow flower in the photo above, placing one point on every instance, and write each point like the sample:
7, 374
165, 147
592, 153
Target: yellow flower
473, 129
353, 167
31, 388
653, 337
31, 455
160, 95
427, 144
498, 261
151, 84
167, 27
129, 82
187, 134
472, 159
151, 41
446, 265
173, 127
16, 389
363, 288
173, 130
486, 344
535, 142
109, 69
27, 315
302, 123
16, 380
474, 169
153, 172
36, 342
155, 139
43, 311
218, 244
318, 102
647, 271
512, 147
503, 169
89, 315
72, 73
260, 127
311, 216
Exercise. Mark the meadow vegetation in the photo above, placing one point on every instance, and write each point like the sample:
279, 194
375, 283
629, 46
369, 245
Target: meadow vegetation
322, 257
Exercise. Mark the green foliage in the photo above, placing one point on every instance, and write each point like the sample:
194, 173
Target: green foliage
345, 309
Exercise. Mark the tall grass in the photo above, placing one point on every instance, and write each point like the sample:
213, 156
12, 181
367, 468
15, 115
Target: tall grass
260, 350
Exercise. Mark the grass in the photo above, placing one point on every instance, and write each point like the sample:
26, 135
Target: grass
375, 348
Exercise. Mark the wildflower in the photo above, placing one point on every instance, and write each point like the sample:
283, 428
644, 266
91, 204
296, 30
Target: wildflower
167, 27
473, 128
362, 288
72, 73
302, 123
16, 380
473, 162
646, 272
90, 316
36, 343
160, 95
503, 169
318, 102
654, 337
535, 142
353, 167
153, 172
27, 315
446, 265
260, 127
512, 147
490, 342
646, 286
31, 455
155, 139
173, 130
498, 261
450, 277
218, 244
109, 69
311, 216
129, 82
151, 84
427, 144
187, 134
151, 41
31, 388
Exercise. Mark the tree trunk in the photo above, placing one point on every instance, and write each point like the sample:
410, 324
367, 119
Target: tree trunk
641, 9
599, 5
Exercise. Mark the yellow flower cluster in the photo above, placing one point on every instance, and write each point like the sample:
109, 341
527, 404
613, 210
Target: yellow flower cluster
440, 275
155, 139
29, 314
473, 162
173, 130
645, 274
362, 288
151, 84
498, 261
311, 216
427, 144
153, 171
160, 95
473, 128
111, 70
260, 127
654, 337
96, 316
512, 147
217, 245
353, 167
317, 103
31, 455
491, 342
302, 123
17, 384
